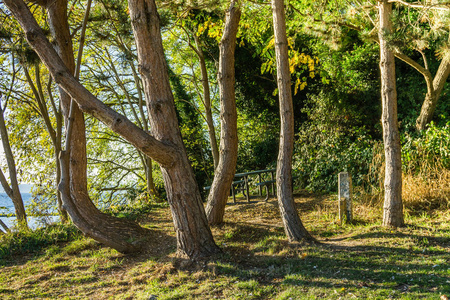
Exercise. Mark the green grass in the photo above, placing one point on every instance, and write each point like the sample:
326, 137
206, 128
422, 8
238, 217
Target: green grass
359, 261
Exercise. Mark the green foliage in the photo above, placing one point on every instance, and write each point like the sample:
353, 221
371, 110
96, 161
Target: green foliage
258, 143
428, 148
322, 153
191, 131
133, 211
23, 242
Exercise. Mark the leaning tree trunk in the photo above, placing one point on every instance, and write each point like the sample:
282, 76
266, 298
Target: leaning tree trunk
432, 97
393, 207
194, 238
226, 168
12, 191
165, 147
207, 101
293, 226
111, 231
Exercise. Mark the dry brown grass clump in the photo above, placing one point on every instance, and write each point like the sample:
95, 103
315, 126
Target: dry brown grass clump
426, 183
427, 191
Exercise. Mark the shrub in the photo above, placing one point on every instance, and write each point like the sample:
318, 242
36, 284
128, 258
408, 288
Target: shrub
322, 153
22, 242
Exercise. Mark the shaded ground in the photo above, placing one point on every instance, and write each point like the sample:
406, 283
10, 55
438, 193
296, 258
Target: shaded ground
358, 261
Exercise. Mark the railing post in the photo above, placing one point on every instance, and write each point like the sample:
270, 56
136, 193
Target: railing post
260, 187
345, 197
246, 188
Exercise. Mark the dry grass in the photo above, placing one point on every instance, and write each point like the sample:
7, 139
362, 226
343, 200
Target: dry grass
426, 183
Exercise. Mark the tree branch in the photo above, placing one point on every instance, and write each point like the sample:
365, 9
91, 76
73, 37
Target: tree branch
437, 6
163, 153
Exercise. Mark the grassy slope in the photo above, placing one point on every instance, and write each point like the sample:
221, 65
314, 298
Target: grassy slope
360, 261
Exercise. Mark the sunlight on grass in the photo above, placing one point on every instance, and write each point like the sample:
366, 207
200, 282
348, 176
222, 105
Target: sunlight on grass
362, 260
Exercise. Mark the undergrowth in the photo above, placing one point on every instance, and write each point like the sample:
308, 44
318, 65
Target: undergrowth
31, 241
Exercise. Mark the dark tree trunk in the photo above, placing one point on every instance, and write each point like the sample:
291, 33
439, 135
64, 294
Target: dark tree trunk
393, 207
226, 168
293, 226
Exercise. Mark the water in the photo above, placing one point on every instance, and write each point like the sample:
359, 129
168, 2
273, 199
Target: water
7, 207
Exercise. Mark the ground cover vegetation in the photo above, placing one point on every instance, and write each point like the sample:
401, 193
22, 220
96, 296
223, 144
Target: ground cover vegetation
119, 124
362, 260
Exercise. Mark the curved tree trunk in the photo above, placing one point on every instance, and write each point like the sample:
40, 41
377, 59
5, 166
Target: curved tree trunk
111, 231
432, 97
293, 226
12, 191
393, 206
165, 147
226, 168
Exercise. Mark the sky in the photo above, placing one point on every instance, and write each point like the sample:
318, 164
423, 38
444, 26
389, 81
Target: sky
24, 188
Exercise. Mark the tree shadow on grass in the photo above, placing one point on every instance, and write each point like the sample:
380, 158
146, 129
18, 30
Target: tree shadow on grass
367, 270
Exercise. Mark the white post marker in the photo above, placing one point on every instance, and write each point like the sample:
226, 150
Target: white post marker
345, 197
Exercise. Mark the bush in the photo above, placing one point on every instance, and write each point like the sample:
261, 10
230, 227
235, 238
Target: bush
426, 168
322, 153
22, 242
427, 150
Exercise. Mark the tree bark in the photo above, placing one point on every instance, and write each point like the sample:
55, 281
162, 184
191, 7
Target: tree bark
293, 226
393, 207
432, 96
12, 191
111, 231
226, 168
207, 101
194, 238
434, 86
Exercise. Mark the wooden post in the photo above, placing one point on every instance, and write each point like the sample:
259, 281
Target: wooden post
233, 193
273, 184
246, 188
345, 197
260, 187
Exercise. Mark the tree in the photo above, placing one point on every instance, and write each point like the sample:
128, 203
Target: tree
194, 237
196, 46
418, 27
293, 226
12, 190
226, 168
111, 231
393, 207
54, 133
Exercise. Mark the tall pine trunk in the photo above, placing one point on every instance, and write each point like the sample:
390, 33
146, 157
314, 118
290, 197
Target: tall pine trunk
293, 226
393, 206
226, 168
194, 238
